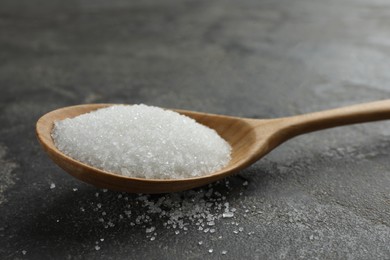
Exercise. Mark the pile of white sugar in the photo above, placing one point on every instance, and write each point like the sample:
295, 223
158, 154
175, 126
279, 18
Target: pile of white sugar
142, 141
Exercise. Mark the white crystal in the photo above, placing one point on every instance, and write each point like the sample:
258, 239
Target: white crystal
142, 141
227, 214
150, 230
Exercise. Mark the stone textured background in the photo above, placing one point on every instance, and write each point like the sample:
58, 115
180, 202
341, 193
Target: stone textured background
321, 195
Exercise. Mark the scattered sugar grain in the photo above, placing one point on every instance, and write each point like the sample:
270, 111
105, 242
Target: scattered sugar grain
97, 248
142, 141
224, 252
211, 250
211, 223
178, 212
24, 252
227, 214
150, 230
52, 185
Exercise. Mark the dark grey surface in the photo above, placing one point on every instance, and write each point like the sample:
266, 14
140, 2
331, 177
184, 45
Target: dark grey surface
322, 195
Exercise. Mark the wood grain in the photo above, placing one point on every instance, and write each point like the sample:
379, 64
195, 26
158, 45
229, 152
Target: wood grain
250, 139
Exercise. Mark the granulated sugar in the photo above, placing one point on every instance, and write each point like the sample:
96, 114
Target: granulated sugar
174, 213
166, 218
142, 141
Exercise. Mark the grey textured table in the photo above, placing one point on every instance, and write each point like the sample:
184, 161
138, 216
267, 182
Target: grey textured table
322, 195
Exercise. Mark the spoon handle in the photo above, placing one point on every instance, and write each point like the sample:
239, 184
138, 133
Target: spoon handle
367, 112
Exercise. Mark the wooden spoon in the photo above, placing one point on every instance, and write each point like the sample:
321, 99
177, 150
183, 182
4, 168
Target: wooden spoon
250, 139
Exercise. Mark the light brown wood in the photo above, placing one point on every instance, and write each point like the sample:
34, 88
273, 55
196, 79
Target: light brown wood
250, 139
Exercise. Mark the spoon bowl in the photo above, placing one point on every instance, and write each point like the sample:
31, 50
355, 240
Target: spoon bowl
250, 140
